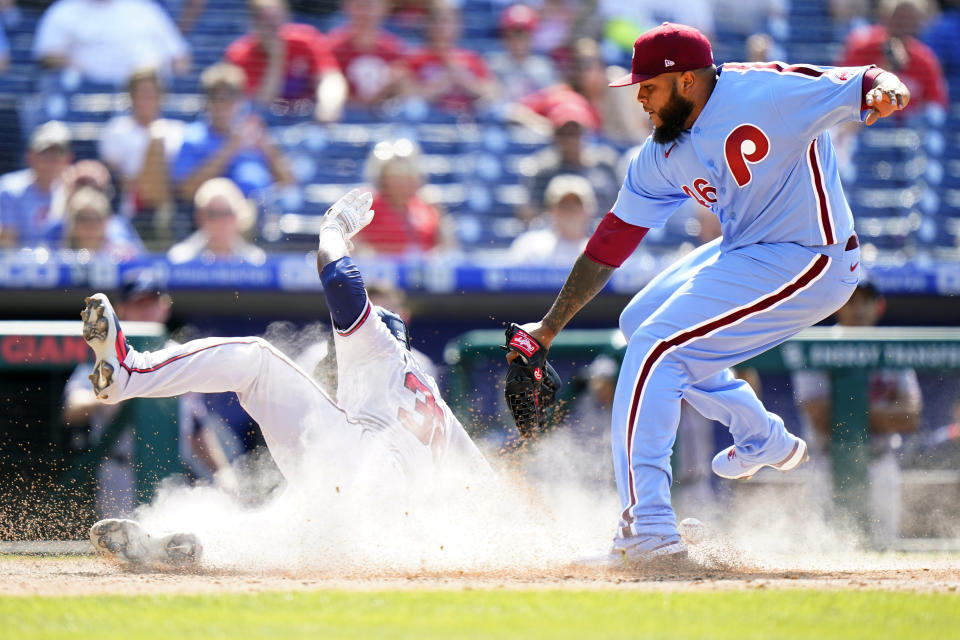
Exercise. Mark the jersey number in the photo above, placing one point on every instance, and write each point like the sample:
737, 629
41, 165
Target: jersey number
745, 145
705, 193
428, 423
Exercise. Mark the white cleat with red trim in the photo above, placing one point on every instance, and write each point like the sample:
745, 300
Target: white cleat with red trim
728, 463
101, 331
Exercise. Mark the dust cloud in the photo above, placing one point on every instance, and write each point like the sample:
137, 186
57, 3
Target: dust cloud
550, 504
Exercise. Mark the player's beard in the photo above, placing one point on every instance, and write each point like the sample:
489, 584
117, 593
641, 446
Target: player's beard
673, 118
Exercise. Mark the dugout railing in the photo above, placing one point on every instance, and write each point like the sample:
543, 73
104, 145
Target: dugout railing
847, 354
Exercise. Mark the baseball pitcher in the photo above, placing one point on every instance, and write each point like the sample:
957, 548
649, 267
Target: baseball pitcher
750, 142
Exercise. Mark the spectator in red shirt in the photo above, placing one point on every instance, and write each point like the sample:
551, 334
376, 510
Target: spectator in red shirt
287, 62
450, 78
404, 223
371, 58
612, 114
893, 45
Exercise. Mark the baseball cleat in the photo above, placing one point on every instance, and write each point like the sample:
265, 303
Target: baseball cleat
125, 540
101, 331
728, 464
349, 214
643, 552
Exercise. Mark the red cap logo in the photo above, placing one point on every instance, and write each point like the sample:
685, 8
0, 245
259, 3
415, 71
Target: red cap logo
524, 343
669, 47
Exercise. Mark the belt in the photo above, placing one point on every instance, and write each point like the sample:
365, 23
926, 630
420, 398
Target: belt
852, 243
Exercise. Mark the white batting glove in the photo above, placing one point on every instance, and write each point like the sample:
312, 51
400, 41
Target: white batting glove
349, 214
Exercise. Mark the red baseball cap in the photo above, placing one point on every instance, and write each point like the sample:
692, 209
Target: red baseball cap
519, 17
576, 111
664, 49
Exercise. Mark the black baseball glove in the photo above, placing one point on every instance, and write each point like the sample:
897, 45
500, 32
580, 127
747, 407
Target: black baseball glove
532, 383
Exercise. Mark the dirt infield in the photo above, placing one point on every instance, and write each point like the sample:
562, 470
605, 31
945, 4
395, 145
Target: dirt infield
80, 575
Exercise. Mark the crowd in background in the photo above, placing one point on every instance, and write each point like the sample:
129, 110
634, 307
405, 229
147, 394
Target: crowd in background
208, 177
221, 130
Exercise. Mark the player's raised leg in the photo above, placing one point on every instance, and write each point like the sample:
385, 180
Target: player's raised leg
732, 402
285, 402
709, 325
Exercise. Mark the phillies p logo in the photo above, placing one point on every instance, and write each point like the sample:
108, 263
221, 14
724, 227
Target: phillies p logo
745, 145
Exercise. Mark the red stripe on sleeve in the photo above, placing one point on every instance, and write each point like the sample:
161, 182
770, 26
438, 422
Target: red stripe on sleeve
614, 241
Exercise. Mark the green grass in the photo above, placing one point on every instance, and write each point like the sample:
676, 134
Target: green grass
484, 614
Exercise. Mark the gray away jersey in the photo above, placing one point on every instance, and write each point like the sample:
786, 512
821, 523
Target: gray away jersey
759, 156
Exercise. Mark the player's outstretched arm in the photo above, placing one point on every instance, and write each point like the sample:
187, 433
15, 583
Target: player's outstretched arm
587, 278
887, 95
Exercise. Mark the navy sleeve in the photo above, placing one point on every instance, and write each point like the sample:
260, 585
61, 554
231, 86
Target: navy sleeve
345, 292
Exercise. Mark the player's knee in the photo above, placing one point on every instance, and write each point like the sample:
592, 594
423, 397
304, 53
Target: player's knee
640, 341
633, 317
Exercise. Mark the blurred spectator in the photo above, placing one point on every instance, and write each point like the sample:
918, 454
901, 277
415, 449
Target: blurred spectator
737, 19
519, 71
285, 61
142, 298
10, 15
555, 26
612, 113
26, 196
941, 37
895, 405
371, 57
188, 14
448, 77
588, 425
106, 40
848, 15
91, 174
620, 119
936, 448
222, 216
139, 146
571, 207
591, 415
4, 51
569, 153
760, 48
228, 141
87, 227
404, 222
892, 44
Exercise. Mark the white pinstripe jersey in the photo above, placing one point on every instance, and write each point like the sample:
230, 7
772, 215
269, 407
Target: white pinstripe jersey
759, 156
